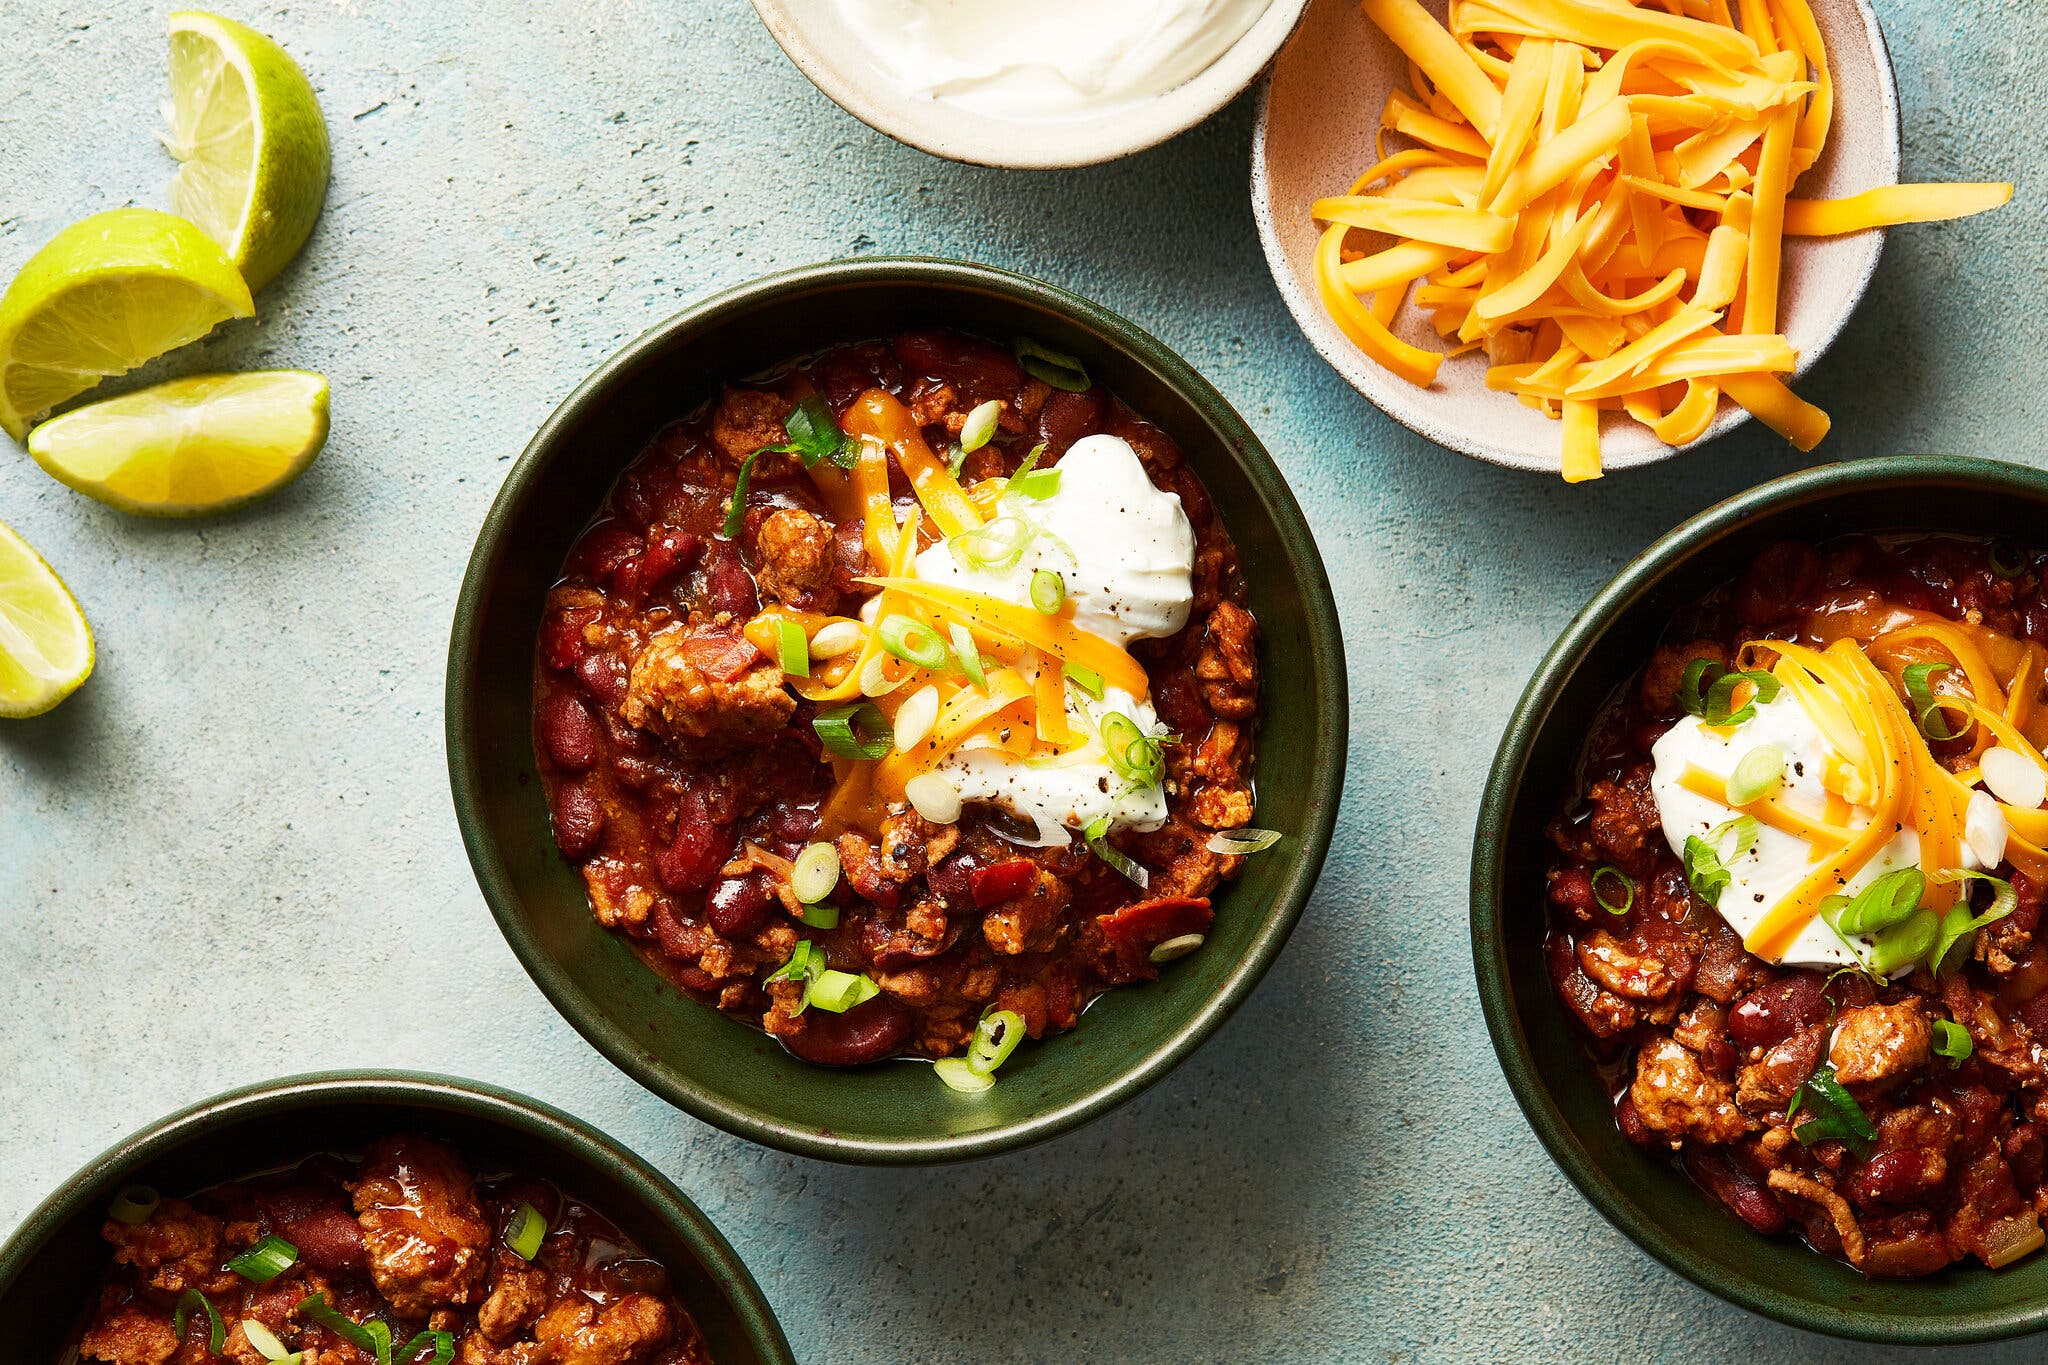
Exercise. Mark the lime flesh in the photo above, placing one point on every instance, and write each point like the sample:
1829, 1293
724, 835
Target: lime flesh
189, 446
46, 647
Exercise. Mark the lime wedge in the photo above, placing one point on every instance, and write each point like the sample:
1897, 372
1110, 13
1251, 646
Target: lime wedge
103, 296
45, 644
251, 145
189, 446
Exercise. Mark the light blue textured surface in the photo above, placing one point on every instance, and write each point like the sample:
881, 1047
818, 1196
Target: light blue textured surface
232, 855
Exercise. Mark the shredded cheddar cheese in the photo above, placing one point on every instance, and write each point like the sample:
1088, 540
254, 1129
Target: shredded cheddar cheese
1598, 200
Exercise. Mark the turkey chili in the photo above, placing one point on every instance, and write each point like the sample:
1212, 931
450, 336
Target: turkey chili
903, 702
402, 1257
1794, 905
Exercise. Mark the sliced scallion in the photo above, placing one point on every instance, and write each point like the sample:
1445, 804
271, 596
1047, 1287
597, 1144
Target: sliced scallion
815, 873
995, 1038
992, 548
1037, 484
266, 1343
1056, 368
957, 1075
1952, 1040
315, 1306
838, 992
1134, 755
912, 641
736, 510
823, 915
181, 1317
442, 1342
980, 427
525, 1232
792, 649
934, 798
2007, 560
1720, 703
1603, 898
133, 1204
1889, 900
1706, 856
1178, 947
856, 730
956, 460
814, 434
1239, 843
1087, 679
966, 655
1905, 942
1959, 926
1927, 708
1048, 591
1757, 775
1097, 835
1837, 1116
798, 967
265, 1261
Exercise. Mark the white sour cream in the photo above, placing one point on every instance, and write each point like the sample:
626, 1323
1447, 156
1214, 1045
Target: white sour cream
1042, 61
1126, 551
1777, 862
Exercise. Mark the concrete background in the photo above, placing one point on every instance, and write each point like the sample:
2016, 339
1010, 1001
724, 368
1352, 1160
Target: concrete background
232, 855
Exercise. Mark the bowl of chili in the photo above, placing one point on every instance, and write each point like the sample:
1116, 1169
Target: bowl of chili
1692, 1197
52, 1265
733, 1073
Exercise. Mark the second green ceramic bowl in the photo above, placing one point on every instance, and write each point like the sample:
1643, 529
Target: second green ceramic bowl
724, 1071
50, 1267
1564, 1099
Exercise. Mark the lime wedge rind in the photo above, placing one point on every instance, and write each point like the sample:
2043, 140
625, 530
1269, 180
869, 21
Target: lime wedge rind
46, 647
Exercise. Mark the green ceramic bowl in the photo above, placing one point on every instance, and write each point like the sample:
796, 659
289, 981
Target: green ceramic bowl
717, 1068
1605, 644
50, 1267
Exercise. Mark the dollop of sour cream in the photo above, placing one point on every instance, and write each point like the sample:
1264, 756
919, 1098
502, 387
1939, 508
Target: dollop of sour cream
1045, 60
1126, 551
1778, 861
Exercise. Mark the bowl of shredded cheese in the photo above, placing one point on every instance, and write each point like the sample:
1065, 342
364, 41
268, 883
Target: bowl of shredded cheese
1583, 235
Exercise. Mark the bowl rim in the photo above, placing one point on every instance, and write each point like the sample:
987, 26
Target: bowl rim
475, 1099
1489, 956
1103, 137
1392, 395
1325, 783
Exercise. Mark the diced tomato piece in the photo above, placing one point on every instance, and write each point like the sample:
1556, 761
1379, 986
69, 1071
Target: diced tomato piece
1150, 923
721, 657
1002, 881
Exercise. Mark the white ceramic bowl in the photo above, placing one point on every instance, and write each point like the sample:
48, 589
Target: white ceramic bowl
1317, 117
833, 57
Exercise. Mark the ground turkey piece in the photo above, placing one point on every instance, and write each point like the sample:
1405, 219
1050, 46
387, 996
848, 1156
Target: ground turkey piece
519, 1295
176, 1249
1879, 1044
1228, 664
1679, 1099
748, 420
132, 1334
427, 1238
626, 1332
795, 559
706, 691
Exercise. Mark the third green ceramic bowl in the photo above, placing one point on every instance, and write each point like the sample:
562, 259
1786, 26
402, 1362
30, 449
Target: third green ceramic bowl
1558, 1090
724, 1071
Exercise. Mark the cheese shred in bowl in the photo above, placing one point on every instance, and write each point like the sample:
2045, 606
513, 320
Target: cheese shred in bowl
1597, 198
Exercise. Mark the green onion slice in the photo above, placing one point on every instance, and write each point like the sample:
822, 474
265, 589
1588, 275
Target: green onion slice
1097, 835
966, 655
995, 1038
736, 510
525, 1232
1175, 948
798, 968
1707, 855
266, 1343
980, 427
792, 649
1048, 591
264, 1262
1056, 368
1837, 1116
856, 730
442, 1342
992, 548
815, 872
957, 1075
1889, 900
2007, 560
133, 1204
814, 435
1627, 893
1720, 703
956, 459
1038, 484
823, 915
1934, 722
1239, 843
1958, 925
1905, 942
1087, 679
362, 1336
216, 1330
912, 641
1692, 685
1757, 775
1952, 1040
839, 992
1134, 755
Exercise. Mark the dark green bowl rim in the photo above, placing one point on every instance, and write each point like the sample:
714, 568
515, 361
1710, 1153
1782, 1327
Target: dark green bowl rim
475, 1099
1325, 783
1489, 960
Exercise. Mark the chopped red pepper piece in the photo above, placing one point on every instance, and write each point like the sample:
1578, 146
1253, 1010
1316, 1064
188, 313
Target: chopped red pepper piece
1150, 923
720, 657
1002, 881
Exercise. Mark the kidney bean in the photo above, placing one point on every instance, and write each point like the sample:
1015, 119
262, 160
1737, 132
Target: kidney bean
1066, 418
1749, 1200
1571, 889
849, 556
843, 374
668, 553
1630, 1120
1002, 881
737, 906
976, 368
1601, 1014
728, 585
679, 938
1777, 581
793, 822
2027, 1153
1773, 1012
1898, 1177
571, 738
604, 677
866, 1033
579, 818
952, 881
2034, 1014
561, 639
700, 847
604, 548
330, 1240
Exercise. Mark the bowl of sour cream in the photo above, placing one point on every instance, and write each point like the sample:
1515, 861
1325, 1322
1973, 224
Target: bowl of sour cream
1031, 86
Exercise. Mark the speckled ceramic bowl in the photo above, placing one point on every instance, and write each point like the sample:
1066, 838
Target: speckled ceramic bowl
1317, 120
716, 1067
50, 1268
1565, 1101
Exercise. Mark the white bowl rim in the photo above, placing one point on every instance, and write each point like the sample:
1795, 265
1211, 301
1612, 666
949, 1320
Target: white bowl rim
1394, 396
939, 129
